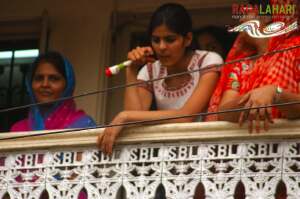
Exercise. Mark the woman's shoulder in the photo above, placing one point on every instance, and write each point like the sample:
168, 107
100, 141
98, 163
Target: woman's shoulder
154, 65
209, 54
21, 125
209, 57
150, 70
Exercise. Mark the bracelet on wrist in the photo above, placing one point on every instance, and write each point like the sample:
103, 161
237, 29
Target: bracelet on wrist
278, 92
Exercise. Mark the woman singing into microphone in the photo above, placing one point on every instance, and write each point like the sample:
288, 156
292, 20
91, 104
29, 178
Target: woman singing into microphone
170, 30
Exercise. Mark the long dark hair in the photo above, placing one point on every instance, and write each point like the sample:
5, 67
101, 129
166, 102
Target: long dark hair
174, 16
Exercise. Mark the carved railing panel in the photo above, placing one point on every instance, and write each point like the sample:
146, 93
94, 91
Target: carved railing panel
291, 169
140, 169
177, 157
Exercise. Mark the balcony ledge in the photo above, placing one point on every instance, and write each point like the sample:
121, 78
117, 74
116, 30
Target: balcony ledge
198, 131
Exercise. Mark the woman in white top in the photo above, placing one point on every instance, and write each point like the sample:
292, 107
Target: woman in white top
170, 30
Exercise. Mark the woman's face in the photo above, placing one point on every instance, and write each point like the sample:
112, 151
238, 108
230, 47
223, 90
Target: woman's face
47, 83
169, 47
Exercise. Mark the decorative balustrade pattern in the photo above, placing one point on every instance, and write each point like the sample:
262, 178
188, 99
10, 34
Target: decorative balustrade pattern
218, 157
140, 169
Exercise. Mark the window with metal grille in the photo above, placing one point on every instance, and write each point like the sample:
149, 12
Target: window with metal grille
15, 60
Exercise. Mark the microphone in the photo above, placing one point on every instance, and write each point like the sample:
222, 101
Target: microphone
113, 70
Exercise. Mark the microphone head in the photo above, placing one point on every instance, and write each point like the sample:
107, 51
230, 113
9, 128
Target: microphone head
108, 73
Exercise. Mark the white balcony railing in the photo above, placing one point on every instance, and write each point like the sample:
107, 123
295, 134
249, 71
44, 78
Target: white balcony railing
216, 155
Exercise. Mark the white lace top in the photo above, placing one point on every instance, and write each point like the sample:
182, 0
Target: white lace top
174, 98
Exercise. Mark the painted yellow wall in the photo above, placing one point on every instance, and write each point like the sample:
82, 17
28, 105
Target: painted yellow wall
80, 30
146, 5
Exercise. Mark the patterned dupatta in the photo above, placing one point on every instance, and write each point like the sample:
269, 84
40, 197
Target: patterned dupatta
280, 69
61, 114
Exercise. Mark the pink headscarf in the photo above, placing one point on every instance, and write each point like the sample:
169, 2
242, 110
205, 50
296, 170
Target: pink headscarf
60, 115
63, 117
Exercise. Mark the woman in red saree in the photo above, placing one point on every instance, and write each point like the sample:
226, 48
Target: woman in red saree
239, 81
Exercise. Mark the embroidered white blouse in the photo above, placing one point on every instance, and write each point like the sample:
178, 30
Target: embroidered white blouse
174, 98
